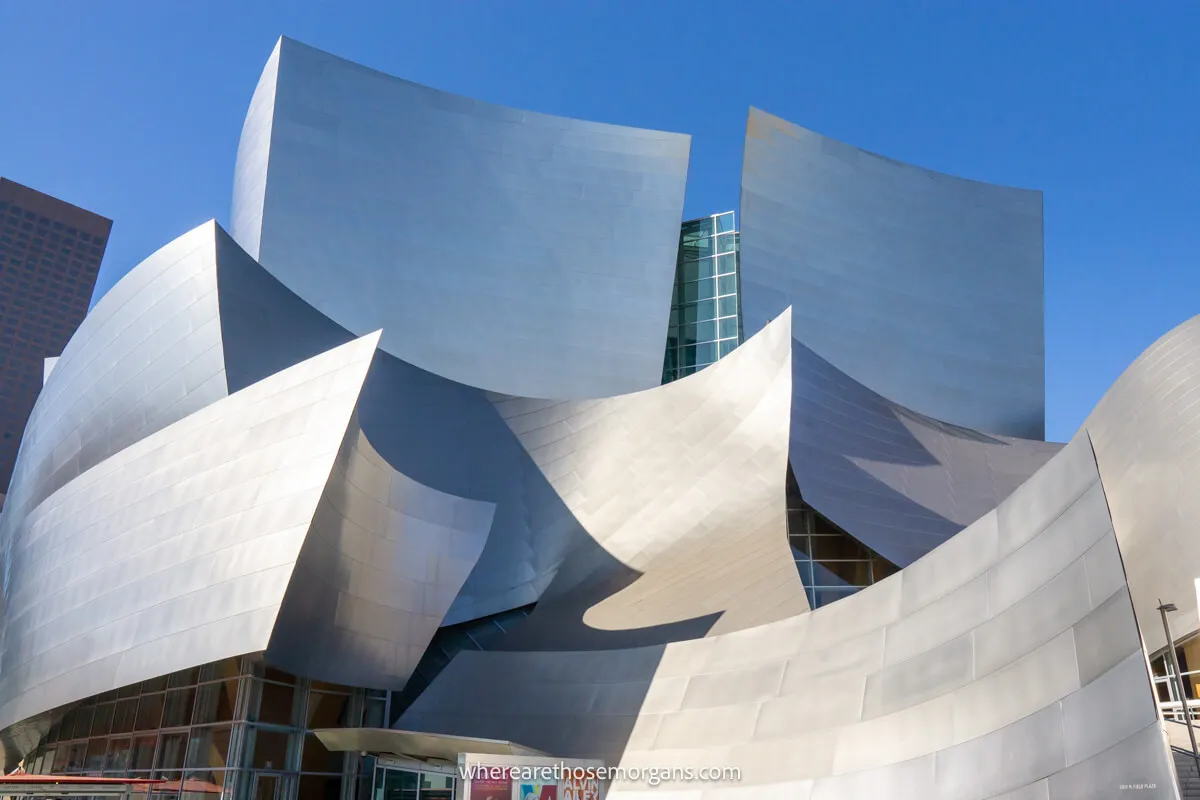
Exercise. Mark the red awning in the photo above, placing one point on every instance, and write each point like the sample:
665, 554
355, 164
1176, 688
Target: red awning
49, 780
73, 786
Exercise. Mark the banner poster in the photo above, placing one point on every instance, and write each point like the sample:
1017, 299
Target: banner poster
537, 791
492, 788
579, 789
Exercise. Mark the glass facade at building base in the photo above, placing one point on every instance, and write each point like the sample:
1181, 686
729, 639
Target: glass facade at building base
234, 729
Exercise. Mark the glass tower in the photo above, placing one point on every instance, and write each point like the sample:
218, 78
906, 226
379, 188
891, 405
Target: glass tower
705, 321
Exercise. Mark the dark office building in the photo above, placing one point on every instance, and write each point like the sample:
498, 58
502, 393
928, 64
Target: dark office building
50, 252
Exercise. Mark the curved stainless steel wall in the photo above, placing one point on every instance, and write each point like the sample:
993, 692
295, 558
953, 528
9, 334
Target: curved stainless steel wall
147, 355
900, 482
680, 493
1007, 660
923, 287
1146, 430
384, 559
177, 549
421, 424
540, 249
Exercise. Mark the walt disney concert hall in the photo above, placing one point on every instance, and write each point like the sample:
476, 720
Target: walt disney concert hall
462, 441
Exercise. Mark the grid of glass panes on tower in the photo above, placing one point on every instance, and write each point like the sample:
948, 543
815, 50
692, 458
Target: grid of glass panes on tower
705, 307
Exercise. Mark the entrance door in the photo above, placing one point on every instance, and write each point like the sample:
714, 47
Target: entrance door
266, 787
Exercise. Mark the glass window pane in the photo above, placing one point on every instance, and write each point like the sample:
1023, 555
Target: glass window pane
728, 346
75, 756
217, 670
687, 335
706, 353
706, 309
94, 760
726, 243
275, 703
83, 723
706, 288
141, 757
400, 784
60, 759
687, 356
185, 677
149, 712
102, 720
687, 314
728, 306
697, 228
269, 749
215, 701
726, 264
693, 246
725, 222
129, 691
687, 271
154, 685
688, 293
327, 711
373, 715
208, 747
705, 267
729, 327
171, 750
124, 715
436, 787
117, 760
177, 711
727, 283
706, 331
272, 674
321, 787
315, 758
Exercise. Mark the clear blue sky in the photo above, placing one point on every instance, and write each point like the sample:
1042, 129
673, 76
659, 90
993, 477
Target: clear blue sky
133, 109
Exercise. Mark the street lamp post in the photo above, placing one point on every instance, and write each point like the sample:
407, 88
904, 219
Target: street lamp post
1163, 608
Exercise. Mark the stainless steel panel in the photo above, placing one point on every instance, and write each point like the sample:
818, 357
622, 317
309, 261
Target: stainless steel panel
147, 355
540, 249
1108, 710
679, 492
1105, 637
940, 717
1142, 760
1146, 432
177, 549
900, 482
1013, 756
384, 558
868, 250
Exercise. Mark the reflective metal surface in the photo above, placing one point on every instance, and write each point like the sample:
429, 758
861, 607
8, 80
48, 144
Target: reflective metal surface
382, 562
900, 482
680, 494
540, 249
924, 287
1146, 431
147, 355
177, 549
1005, 658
